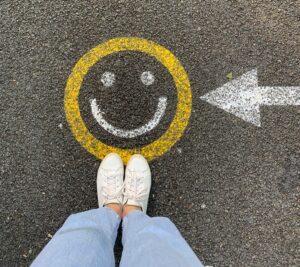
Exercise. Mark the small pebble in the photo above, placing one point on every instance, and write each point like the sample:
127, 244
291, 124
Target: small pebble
49, 235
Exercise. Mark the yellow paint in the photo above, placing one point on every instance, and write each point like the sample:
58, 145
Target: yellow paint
163, 55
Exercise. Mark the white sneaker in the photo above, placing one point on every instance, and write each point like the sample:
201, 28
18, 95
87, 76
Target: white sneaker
110, 180
137, 182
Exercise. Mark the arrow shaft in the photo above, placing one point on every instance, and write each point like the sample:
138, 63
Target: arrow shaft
279, 96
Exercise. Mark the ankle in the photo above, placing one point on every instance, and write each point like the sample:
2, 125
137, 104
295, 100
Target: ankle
129, 208
117, 208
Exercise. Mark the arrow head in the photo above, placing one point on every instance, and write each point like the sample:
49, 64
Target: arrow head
240, 97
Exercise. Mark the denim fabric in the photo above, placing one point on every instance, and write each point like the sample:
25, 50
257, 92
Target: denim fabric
87, 240
154, 242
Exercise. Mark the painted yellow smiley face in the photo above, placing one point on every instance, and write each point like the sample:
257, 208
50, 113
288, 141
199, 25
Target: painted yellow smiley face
183, 110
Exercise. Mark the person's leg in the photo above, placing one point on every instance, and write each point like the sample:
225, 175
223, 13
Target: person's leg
154, 242
85, 239
149, 241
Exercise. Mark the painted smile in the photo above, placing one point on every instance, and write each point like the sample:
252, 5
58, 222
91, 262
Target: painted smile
114, 90
147, 78
150, 125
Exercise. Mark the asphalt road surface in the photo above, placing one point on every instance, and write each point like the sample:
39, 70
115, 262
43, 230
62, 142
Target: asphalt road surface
232, 188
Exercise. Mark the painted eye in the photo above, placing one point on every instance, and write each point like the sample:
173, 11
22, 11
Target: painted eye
108, 78
147, 78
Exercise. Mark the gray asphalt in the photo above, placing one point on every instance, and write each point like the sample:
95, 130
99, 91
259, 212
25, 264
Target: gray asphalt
231, 188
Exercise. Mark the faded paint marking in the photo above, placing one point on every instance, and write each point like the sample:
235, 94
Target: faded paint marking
166, 58
98, 115
243, 97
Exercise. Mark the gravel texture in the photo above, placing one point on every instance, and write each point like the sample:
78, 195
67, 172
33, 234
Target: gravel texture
231, 188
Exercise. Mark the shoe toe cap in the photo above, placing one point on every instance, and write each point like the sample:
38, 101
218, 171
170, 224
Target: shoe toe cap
112, 161
138, 163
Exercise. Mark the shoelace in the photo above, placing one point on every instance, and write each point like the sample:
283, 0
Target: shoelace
111, 191
132, 189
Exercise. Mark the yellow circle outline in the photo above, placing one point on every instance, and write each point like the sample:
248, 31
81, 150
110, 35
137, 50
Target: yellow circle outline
163, 55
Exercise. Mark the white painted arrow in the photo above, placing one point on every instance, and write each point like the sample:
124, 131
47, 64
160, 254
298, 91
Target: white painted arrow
243, 97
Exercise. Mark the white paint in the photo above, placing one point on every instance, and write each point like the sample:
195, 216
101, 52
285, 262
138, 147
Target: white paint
108, 78
98, 115
147, 78
243, 97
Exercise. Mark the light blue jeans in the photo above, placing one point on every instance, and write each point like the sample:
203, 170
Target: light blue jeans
87, 240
